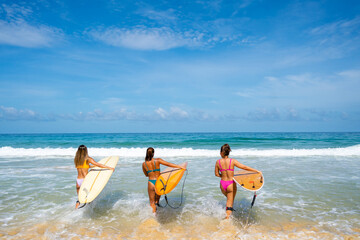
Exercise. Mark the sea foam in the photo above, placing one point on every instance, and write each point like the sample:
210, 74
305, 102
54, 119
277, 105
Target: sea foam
352, 151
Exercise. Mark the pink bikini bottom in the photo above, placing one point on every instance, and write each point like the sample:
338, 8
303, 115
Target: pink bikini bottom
225, 184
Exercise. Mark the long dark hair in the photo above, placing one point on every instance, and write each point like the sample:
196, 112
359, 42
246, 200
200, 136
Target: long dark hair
225, 149
149, 154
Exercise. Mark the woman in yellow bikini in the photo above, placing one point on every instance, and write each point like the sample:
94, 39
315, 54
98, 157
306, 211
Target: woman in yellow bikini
82, 163
227, 184
151, 168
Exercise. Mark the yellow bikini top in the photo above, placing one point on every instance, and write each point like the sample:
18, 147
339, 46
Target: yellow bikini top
85, 165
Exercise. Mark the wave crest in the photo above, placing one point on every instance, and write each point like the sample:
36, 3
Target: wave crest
179, 152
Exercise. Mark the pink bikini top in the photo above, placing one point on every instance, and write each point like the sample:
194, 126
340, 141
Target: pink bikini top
221, 169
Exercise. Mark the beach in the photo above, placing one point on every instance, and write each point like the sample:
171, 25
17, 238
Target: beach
311, 189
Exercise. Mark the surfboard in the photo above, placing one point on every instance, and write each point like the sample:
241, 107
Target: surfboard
168, 179
252, 181
96, 180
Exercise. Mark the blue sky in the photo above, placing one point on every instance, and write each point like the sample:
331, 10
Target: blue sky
184, 66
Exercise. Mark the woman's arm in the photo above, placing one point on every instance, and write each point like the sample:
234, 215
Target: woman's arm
217, 170
144, 170
242, 166
93, 162
163, 162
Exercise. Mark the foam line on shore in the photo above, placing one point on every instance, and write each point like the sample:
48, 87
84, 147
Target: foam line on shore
352, 151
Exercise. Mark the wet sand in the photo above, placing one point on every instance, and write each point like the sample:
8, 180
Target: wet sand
152, 229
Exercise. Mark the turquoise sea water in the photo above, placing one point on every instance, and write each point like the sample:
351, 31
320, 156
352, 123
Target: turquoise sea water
311, 189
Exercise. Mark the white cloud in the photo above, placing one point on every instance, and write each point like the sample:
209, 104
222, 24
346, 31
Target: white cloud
244, 94
264, 115
271, 114
300, 79
244, 3
16, 31
175, 113
338, 38
25, 35
212, 4
142, 38
353, 74
291, 114
179, 112
13, 114
307, 90
339, 28
161, 16
15, 12
112, 101
271, 79
328, 115
161, 112
202, 35
100, 115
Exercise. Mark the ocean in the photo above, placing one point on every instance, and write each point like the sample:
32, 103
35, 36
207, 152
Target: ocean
311, 190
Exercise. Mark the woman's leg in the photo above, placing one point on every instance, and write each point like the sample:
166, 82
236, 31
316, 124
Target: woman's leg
231, 192
77, 188
151, 192
157, 198
223, 190
234, 190
77, 191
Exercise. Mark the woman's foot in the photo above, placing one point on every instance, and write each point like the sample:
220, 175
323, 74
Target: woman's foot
153, 206
77, 204
229, 211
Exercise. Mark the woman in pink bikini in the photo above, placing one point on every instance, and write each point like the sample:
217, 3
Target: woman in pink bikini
224, 168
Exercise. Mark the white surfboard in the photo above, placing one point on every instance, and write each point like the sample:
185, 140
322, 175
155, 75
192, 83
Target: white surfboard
96, 180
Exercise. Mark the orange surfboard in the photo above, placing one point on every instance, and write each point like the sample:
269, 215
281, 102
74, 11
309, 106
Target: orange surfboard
252, 181
168, 179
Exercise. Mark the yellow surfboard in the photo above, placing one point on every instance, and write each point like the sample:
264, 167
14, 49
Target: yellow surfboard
168, 179
252, 181
96, 180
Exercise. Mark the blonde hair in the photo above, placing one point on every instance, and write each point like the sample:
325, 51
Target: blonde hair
81, 155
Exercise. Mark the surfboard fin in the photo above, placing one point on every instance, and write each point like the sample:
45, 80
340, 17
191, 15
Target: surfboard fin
253, 201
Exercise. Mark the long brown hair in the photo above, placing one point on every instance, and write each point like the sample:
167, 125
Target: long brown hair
81, 155
149, 154
225, 149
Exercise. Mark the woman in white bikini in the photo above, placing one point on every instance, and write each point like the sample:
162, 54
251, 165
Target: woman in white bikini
82, 163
